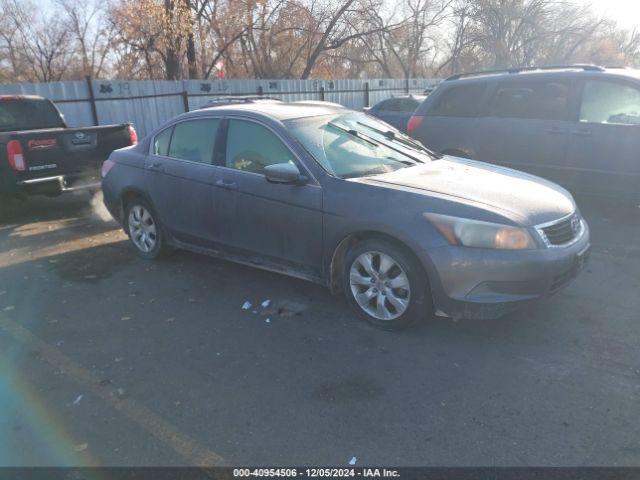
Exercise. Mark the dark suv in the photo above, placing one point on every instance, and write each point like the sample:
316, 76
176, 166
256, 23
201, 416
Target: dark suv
577, 125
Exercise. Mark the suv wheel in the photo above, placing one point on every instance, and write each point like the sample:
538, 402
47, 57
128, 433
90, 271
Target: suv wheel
384, 284
144, 230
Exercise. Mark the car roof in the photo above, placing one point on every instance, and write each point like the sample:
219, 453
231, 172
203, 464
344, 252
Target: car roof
279, 110
592, 71
405, 96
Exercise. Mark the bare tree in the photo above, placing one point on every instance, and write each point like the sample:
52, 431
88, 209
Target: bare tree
91, 35
38, 50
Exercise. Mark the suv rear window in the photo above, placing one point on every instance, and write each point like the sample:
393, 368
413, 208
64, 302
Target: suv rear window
537, 100
459, 101
28, 114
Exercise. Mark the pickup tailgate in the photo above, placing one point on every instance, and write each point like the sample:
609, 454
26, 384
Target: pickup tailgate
64, 151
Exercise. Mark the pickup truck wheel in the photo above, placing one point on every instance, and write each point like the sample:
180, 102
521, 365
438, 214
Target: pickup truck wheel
144, 230
384, 284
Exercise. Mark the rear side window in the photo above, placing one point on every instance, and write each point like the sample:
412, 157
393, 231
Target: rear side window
27, 114
609, 102
537, 100
459, 101
194, 140
400, 105
407, 105
251, 147
161, 142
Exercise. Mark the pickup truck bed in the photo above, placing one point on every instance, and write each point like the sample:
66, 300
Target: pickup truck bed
53, 159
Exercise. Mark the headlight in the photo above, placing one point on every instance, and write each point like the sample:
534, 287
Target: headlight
475, 233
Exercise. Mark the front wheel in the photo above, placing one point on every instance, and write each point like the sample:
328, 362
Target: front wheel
144, 230
385, 284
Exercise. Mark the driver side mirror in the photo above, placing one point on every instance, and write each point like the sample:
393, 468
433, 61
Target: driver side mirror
286, 173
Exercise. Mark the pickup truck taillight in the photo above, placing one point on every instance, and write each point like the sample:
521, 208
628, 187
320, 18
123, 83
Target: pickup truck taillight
106, 166
133, 135
15, 156
414, 122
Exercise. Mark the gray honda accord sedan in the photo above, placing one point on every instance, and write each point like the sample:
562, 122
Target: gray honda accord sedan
330, 195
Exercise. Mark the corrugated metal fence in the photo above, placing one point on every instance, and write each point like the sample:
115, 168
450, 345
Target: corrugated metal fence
149, 103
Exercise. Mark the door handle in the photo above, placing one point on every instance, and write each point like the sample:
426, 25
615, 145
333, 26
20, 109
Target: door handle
582, 133
155, 166
227, 184
555, 131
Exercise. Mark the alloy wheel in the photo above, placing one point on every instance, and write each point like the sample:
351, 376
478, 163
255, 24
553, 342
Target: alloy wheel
142, 229
379, 285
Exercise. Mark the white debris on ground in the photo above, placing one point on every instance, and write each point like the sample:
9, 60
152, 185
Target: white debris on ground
266, 303
352, 461
77, 400
268, 320
246, 305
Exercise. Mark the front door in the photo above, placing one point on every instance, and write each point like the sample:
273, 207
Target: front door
182, 178
605, 144
268, 221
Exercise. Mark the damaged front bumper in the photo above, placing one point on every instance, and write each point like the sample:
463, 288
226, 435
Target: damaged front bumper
477, 283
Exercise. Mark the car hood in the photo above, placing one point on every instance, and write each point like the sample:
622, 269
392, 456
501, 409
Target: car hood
523, 198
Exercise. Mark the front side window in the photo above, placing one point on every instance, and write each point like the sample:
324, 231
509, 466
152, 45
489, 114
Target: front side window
609, 102
251, 147
459, 101
161, 142
194, 140
535, 100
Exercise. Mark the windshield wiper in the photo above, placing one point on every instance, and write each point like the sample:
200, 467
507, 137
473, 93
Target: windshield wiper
377, 143
391, 135
355, 133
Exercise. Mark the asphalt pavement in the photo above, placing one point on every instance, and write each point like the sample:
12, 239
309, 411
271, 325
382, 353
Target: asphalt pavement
107, 359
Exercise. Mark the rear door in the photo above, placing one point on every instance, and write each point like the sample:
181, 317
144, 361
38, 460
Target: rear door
526, 126
181, 177
274, 222
605, 143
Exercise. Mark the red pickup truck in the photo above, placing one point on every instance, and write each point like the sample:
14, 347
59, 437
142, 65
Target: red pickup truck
39, 154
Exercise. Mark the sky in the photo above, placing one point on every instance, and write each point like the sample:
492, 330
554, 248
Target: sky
625, 12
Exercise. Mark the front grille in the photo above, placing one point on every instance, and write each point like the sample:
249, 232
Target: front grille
562, 232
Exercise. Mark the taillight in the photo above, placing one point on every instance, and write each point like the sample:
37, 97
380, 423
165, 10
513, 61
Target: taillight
107, 165
15, 156
133, 135
414, 122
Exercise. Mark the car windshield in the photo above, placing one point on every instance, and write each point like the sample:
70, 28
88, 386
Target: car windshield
355, 145
28, 114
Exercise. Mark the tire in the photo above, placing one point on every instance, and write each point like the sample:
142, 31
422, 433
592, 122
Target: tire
144, 229
372, 268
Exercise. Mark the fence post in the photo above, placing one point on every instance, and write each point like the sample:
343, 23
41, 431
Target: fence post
322, 93
406, 85
92, 101
366, 94
185, 100
260, 90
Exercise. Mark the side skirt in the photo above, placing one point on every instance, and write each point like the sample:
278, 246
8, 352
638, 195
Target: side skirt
252, 261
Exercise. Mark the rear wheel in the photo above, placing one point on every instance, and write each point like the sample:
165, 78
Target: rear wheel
144, 229
384, 284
